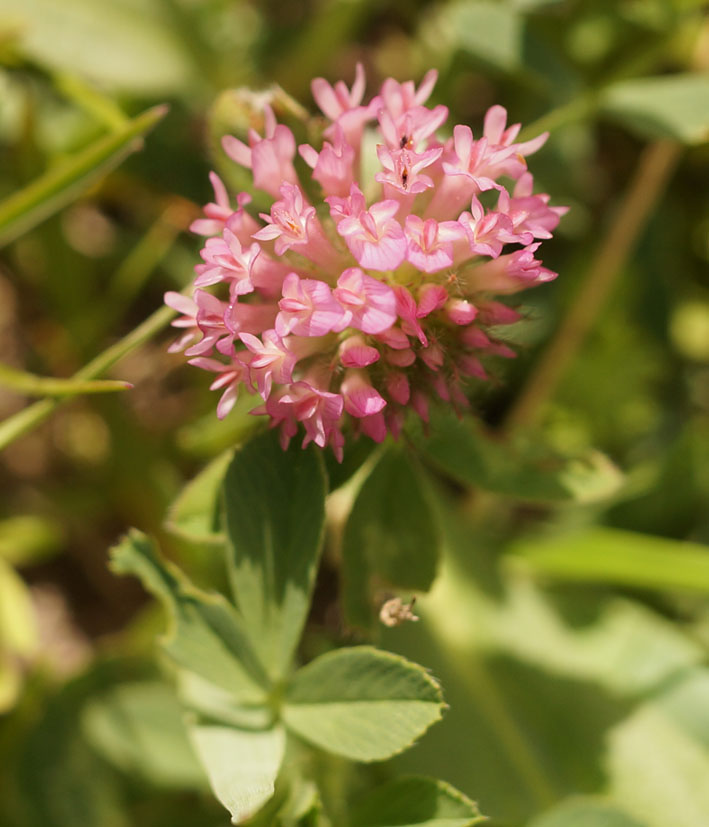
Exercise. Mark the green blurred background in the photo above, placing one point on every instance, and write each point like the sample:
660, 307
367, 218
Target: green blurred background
556, 687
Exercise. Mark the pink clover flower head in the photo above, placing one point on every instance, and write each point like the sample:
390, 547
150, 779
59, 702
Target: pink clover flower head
371, 297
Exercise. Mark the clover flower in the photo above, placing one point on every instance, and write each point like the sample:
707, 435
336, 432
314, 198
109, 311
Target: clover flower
348, 311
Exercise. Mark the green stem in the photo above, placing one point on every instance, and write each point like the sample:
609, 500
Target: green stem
27, 419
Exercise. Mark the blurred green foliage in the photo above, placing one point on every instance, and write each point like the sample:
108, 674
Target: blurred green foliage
575, 667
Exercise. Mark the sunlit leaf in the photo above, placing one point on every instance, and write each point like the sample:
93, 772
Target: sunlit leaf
362, 703
491, 31
585, 813
686, 702
242, 765
274, 502
68, 179
416, 802
657, 771
608, 555
139, 727
129, 46
670, 106
207, 636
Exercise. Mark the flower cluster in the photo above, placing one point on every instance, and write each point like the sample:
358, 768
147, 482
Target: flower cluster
380, 297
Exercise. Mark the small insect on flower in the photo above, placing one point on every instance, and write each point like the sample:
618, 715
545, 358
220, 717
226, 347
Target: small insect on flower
345, 314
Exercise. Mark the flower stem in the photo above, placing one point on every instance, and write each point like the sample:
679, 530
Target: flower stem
654, 169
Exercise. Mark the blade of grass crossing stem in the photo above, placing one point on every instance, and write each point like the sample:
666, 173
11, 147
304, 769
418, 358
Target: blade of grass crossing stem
28, 418
62, 184
31, 385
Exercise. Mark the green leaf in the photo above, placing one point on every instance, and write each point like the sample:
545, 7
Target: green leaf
130, 47
416, 802
207, 635
686, 702
194, 515
670, 106
524, 472
139, 727
241, 765
275, 511
31, 385
609, 555
657, 772
493, 32
391, 539
362, 703
67, 180
585, 813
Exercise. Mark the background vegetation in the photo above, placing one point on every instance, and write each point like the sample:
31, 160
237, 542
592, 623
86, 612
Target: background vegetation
569, 622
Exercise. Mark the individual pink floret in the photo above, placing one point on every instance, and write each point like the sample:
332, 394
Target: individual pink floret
402, 169
529, 214
217, 212
355, 353
203, 321
488, 232
271, 360
287, 224
333, 166
293, 224
375, 237
226, 260
398, 387
408, 313
398, 98
308, 308
318, 410
429, 243
188, 320
510, 273
361, 399
369, 305
270, 158
412, 128
342, 106
338, 99
431, 297
230, 378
